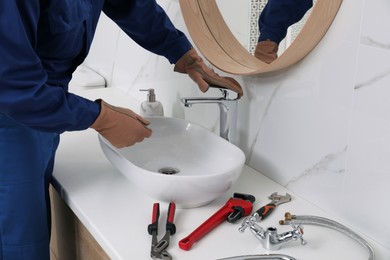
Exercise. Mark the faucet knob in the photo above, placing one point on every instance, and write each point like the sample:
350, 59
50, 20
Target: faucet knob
224, 91
249, 221
298, 233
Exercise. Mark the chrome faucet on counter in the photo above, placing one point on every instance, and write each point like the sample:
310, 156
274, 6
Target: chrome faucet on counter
227, 112
270, 239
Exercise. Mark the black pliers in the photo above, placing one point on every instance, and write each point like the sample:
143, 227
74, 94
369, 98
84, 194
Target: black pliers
158, 249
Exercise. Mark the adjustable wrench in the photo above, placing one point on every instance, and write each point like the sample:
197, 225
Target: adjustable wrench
239, 206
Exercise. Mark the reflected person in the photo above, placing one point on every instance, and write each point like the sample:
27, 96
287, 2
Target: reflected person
274, 21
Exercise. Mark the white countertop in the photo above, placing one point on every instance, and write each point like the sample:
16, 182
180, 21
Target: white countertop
117, 214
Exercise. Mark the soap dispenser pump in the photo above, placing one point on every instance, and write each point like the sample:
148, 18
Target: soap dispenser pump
151, 107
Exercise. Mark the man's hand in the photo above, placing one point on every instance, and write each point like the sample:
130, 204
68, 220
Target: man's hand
121, 126
192, 64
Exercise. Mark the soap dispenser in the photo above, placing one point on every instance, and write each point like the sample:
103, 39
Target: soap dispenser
151, 107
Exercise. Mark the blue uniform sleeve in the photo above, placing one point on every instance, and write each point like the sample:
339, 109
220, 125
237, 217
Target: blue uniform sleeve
149, 26
278, 15
25, 94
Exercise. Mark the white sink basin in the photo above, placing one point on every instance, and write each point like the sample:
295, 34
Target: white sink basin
181, 162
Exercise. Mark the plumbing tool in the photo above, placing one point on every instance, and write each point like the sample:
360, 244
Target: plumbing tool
158, 249
266, 210
240, 205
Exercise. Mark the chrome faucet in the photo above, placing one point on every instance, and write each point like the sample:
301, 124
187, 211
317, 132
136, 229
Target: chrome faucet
270, 239
227, 112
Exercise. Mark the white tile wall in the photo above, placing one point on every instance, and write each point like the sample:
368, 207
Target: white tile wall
321, 128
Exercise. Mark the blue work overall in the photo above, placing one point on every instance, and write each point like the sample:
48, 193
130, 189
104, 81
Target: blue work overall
26, 164
41, 44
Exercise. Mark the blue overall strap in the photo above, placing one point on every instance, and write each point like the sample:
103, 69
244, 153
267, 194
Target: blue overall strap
278, 15
27, 93
148, 25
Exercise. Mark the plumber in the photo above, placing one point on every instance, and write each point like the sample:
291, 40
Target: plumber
41, 44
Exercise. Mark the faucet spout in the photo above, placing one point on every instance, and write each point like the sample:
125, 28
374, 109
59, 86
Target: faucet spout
227, 113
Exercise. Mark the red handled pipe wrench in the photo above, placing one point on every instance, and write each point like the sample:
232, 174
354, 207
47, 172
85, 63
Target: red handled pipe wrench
240, 205
158, 249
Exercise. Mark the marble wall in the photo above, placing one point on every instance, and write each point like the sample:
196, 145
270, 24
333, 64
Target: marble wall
321, 128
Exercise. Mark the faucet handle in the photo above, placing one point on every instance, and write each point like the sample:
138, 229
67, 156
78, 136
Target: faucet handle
224, 91
247, 222
298, 233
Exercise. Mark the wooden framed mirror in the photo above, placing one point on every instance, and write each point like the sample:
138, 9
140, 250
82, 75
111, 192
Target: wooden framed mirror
219, 46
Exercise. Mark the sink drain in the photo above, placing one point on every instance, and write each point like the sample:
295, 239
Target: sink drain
169, 170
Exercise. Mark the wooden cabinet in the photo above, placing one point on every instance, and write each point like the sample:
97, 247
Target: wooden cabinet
70, 240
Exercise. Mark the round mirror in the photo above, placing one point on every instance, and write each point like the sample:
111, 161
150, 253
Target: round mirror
229, 53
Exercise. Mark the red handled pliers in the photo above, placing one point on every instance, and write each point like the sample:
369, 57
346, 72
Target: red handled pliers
158, 249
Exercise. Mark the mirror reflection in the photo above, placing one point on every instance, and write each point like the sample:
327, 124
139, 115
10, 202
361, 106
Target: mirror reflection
222, 49
266, 28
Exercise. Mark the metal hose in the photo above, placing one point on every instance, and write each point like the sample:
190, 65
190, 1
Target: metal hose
260, 257
324, 222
